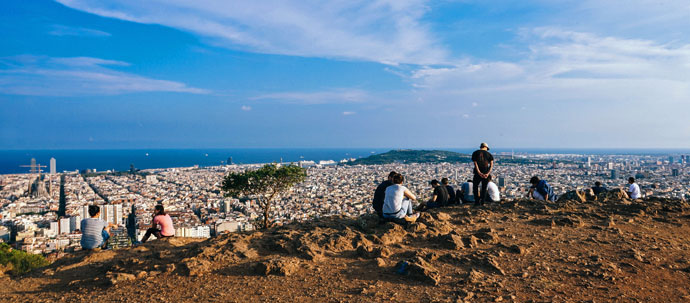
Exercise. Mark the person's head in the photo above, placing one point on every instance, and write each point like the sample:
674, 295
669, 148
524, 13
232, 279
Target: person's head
444, 181
489, 178
631, 180
469, 181
391, 175
534, 180
484, 146
398, 179
94, 211
159, 210
597, 184
434, 183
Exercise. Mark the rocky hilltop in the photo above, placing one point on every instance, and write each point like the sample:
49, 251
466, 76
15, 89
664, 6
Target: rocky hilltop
577, 250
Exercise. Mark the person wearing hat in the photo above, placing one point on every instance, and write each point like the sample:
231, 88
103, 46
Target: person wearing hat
483, 164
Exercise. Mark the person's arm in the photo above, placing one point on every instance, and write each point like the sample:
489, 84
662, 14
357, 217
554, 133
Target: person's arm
409, 195
491, 166
476, 168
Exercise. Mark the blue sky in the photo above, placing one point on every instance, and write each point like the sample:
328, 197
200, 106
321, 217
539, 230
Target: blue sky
399, 73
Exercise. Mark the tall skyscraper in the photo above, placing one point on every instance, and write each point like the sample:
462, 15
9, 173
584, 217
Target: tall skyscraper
614, 174
501, 182
53, 166
589, 162
65, 226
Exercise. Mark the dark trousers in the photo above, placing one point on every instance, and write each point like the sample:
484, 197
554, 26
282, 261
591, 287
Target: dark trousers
478, 199
153, 231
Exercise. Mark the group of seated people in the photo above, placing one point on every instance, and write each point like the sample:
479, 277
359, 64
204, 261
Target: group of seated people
541, 190
392, 200
95, 232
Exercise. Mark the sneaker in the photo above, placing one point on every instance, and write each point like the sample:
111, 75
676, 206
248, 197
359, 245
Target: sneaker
412, 218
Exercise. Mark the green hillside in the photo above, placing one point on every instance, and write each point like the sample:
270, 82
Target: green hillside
413, 156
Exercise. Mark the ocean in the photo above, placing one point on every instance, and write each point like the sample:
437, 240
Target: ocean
120, 159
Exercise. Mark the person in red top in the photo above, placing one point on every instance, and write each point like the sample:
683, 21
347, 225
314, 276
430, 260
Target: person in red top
160, 218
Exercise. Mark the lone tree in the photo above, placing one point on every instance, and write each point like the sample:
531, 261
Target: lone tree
263, 184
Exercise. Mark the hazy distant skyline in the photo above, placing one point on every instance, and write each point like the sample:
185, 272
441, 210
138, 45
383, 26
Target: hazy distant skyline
399, 73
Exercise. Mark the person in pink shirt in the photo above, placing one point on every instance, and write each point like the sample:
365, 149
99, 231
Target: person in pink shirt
160, 218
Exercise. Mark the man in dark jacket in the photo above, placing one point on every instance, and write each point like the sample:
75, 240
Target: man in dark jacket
450, 190
380, 194
598, 188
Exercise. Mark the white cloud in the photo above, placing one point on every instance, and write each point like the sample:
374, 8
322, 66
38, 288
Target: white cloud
348, 113
246, 108
386, 31
321, 97
77, 76
62, 30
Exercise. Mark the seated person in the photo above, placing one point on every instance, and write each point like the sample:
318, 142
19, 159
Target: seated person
160, 218
466, 193
94, 231
493, 193
395, 204
541, 190
438, 199
451, 191
597, 189
634, 189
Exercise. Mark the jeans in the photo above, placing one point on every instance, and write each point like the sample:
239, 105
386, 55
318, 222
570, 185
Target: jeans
475, 186
106, 236
153, 231
405, 210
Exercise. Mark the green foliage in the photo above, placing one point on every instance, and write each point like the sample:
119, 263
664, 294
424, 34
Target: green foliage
19, 262
263, 184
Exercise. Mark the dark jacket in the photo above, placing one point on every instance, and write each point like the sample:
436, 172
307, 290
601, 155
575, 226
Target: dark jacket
379, 196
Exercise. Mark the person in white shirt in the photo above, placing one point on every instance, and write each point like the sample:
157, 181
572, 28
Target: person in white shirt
634, 189
397, 203
492, 191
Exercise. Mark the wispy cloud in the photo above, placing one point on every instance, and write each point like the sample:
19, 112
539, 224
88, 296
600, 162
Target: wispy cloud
246, 108
321, 97
348, 113
77, 76
384, 31
62, 30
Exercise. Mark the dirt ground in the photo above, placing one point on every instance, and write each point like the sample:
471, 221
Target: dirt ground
513, 251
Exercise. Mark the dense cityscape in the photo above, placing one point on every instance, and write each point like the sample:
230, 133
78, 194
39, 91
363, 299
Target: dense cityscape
34, 220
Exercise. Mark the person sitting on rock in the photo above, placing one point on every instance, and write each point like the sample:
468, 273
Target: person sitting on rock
95, 232
633, 189
493, 194
439, 198
450, 190
541, 190
380, 194
160, 218
466, 195
398, 201
598, 188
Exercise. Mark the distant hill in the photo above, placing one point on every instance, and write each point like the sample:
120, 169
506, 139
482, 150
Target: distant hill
413, 156
435, 156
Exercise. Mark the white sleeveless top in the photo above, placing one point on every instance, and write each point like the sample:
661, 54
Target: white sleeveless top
394, 197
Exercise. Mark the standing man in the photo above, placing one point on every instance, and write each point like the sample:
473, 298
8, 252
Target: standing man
451, 191
483, 164
634, 189
380, 194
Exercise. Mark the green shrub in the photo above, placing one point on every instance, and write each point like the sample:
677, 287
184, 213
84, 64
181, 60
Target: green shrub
18, 262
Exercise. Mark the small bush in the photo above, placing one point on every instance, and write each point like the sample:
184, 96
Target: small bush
18, 262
